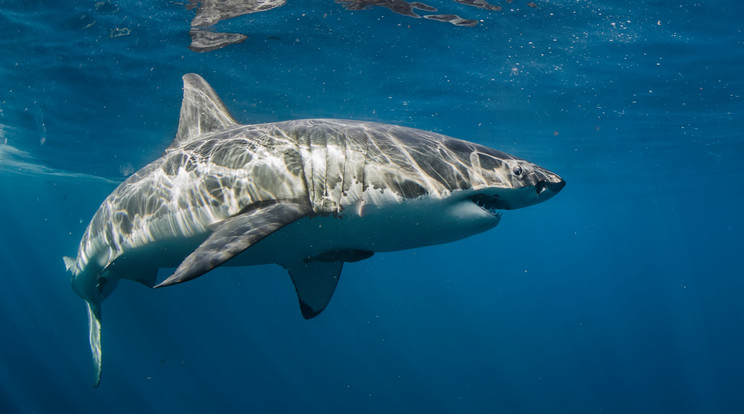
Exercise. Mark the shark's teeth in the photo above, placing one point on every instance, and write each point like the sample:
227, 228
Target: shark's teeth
491, 204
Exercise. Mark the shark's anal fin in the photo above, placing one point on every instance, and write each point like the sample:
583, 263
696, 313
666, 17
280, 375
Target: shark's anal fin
314, 282
233, 235
94, 334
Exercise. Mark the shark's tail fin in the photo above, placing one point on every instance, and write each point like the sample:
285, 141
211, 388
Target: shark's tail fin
94, 326
84, 283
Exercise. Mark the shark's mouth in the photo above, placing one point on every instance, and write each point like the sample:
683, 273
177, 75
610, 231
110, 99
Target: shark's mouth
490, 203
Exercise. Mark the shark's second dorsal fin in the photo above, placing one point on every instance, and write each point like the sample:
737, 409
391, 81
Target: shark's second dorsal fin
202, 111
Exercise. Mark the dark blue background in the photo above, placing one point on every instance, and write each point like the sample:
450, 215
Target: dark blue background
622, 294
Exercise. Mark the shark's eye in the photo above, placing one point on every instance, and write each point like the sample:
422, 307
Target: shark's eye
517, 170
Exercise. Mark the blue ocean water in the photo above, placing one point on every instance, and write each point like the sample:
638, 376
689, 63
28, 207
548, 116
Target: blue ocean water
622, 294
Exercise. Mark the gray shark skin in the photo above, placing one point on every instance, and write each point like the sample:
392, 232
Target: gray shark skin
308, 195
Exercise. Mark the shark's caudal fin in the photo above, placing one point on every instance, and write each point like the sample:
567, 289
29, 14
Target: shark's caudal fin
202, 111
93, 307
94, 326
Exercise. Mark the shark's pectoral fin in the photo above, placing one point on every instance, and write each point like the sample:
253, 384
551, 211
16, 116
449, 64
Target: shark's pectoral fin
233, 235
94, 334
314, 282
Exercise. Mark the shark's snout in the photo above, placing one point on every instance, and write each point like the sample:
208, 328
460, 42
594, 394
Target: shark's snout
557, 186
553, 186
547, 183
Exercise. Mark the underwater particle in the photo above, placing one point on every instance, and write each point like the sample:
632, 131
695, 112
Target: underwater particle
453, 19
83, 21
126, 169
120, 31
206, 41
213, 11
397, 6
481, 4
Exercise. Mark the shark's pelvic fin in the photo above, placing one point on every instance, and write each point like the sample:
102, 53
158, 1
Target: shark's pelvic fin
202, 111
233, 235
342, 255
315, 282
148, 277
94, 327
145, 274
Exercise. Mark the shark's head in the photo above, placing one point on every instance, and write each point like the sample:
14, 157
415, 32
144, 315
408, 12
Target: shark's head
515, 184
499, 181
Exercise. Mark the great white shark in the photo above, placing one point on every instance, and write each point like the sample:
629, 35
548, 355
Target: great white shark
308, 195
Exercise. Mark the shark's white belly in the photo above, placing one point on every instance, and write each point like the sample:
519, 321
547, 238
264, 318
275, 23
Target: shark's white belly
362, 227
370, 228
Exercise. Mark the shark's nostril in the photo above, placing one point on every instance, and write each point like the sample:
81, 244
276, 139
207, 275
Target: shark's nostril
540, 186
553, 186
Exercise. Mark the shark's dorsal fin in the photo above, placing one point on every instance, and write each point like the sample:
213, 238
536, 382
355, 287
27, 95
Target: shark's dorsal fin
315, 282
202, 111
